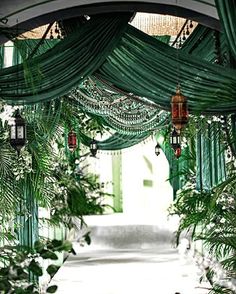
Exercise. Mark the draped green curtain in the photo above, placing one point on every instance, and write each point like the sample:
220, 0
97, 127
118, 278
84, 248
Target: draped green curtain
1, 56
57, 71
139, 64
28, 219
149, 68
202, 43
210, 164
227, 13
179, 169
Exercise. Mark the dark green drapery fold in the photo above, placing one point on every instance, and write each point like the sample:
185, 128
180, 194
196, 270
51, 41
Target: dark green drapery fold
1, 56
139, 64
202, 43
57, 71
227, 14
179, 169
28, 219
210, 164
116, 141
149, 68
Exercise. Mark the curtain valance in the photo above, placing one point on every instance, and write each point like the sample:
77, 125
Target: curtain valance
116, 141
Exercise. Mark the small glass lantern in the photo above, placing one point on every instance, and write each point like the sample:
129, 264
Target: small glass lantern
157, 149
175, 140
18, 132
72, 141
178, 152
179, 110
93, 148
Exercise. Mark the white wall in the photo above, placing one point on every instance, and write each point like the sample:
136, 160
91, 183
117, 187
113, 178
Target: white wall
142, 203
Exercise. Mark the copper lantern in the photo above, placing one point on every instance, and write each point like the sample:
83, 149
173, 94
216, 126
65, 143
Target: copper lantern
179, 110
72, 141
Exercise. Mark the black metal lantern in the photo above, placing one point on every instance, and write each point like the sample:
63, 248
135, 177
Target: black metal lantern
175, 140
18, 132
72, 141
157, 149
93, 148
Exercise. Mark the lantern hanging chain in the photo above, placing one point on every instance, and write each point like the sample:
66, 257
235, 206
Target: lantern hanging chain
177, 57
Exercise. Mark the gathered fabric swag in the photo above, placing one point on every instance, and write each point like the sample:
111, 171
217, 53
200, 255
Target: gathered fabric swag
127, 58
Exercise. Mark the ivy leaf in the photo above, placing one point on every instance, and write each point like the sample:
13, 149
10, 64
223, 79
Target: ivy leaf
48, 254
39, 246
52, 289
35, 268
57, 243
67, 246
52, 269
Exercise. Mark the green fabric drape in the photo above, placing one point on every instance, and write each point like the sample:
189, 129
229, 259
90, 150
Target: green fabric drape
116, 141
28, 219
24, 48
227, 13
178, 168
202, 43
210, 164
57, 71
1, 56
149, 68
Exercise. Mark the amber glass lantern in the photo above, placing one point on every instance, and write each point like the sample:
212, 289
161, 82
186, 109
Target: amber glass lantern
178, 152
72, 141
179, 110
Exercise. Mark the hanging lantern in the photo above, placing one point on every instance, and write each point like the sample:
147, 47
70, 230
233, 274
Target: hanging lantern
18, 132
175, 140
157, 149
72, 141
93, 148
179, 110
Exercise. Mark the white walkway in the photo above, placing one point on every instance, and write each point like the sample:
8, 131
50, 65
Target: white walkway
158, 269
151, 271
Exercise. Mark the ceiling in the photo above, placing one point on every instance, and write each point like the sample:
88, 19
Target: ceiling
33, 13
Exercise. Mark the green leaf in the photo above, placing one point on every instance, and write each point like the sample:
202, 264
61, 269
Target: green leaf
4, 271
5, 286
87, 238
48, 254
35, 268
39, 246
30, 288
52, 289
57, 243
52, 269
67, 245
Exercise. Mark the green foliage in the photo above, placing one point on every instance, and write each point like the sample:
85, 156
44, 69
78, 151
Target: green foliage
18, 263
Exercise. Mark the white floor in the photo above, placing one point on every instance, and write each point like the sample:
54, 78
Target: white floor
158, 270
136, 269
